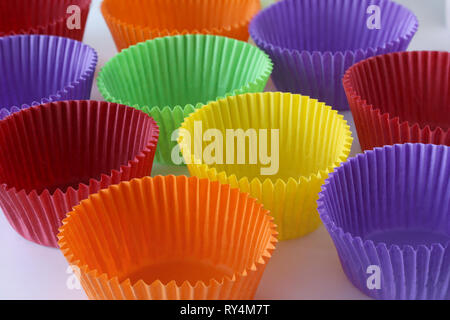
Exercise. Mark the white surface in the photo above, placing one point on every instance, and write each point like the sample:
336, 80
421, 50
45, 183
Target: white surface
447, 13
306, 268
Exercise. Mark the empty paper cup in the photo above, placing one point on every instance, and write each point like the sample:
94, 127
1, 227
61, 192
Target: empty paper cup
65, 18
168, 238
387, 212
312, 43
39, 69
170, 77
55, 155
401, 97
134, 21
279, 147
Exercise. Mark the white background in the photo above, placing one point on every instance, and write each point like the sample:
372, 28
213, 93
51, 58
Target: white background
306, 268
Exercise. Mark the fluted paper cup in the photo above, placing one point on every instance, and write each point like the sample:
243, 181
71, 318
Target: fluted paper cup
387, 212
304, 141
171, 77
55, 155
312, 43
401, 97
169, 238
129, 26
65, 18
38, 69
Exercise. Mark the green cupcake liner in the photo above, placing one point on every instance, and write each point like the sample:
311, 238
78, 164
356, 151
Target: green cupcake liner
169, 78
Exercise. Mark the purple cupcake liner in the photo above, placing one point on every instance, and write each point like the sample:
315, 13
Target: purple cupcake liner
390, 209
312, 43
38, 69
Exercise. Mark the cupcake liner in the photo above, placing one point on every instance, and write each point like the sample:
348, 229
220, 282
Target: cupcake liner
312, 48
43, 69
389, 208
55, 155
313, 139
47, 17
401, 97
169, 238
228, 18
171, 77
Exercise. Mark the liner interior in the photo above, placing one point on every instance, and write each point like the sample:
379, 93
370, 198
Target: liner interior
182, 70
60, 145
312, 136
331, 25
168, 228
413, 86
390, 196
40, 67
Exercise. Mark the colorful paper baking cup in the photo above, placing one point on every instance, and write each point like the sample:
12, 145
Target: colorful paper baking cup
387, 212
401, 97
55, 155
65, 18
312, 43
134, 21
43, 69
170, 77
279, 147
169, 238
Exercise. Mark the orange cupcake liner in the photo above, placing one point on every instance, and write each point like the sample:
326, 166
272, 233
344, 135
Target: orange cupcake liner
169, 238
129, 25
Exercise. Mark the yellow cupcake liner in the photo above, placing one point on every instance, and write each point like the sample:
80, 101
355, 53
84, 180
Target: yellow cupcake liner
313, 140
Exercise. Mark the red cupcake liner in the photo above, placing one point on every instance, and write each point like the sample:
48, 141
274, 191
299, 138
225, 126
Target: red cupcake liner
401, 97
47, 17
56, 154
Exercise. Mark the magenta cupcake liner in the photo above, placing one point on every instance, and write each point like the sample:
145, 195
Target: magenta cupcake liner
312, 43
390, 209
42, 69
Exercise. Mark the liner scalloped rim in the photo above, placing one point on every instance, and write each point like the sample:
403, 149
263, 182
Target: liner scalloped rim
141, 285
62, 94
